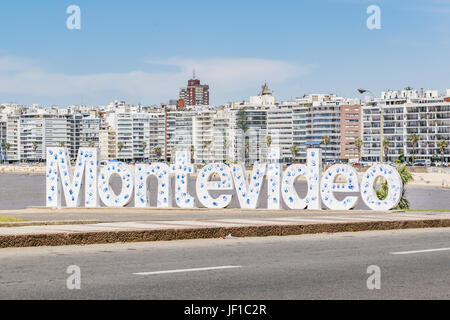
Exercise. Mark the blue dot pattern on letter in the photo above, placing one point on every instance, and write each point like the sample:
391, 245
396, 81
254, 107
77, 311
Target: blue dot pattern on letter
288, 192
106, 193
85, 165
248, 194
203, 185
328, 186
312, 172
182, 168
395, 185
141, 191
273, 179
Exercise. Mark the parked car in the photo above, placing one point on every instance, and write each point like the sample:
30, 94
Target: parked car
330, 162
422, 163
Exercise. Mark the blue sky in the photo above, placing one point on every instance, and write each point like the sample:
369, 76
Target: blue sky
143, 51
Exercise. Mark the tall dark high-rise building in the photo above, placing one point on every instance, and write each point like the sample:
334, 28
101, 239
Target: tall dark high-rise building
195, 94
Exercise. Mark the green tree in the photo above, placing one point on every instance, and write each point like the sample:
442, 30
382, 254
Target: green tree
192, 150
325, 140
91, 144
386, 145
401, 158
414, 139
242, 120
242, 123
173, 151
294, 151
62, 144
442, 145
384, 189
120, 145
247, 150
358, 145
209, 145
35, 145
158, 152
268, 141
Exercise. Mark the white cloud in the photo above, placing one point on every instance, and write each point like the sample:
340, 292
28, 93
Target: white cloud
226, 77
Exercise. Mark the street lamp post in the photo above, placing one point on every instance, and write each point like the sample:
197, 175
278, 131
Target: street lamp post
361, 91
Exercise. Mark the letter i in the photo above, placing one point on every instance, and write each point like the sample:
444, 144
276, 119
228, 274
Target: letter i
273, 179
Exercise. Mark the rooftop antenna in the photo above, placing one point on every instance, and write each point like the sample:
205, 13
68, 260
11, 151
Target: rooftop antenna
193, 74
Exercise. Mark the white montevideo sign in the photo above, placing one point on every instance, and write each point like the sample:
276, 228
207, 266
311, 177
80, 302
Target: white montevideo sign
321, 187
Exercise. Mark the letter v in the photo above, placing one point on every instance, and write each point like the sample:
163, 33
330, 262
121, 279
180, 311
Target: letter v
248, 193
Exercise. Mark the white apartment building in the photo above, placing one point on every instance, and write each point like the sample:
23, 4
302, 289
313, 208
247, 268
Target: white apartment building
202, 135
248, 145
55, 133
280, 130
3, 121
12, 138
31, 138
157, 138
141, 136
124, 128
133, 136
221, 136
426, 114
315, 116
108, 143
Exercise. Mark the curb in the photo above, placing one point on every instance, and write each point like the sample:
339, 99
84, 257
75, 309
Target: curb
85, 238
44, 223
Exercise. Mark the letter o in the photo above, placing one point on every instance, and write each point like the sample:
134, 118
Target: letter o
394, 182
106, 193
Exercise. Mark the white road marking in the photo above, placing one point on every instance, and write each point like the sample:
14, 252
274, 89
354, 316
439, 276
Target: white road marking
185, 270
421, 251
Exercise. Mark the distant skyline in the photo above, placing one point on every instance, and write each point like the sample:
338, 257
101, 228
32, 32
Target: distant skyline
145, 51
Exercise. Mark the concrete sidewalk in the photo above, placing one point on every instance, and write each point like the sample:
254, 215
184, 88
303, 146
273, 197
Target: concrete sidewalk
217, 223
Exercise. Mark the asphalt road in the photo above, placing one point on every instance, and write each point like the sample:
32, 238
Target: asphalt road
325, 266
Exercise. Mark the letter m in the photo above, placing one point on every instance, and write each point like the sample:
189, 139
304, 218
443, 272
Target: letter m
59, 177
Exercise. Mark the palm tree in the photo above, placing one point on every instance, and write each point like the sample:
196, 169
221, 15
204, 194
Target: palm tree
227, 144
326, 140
442, 145
268, 141
358, 145
35, 146
242, 123
208, 145
91, 144
386, 144
414, 139
158, 152
7, 146
120, 145
294, 150
406, 176
242, 120
62, 144
173, 150
247, 150
144, 146
192, 149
